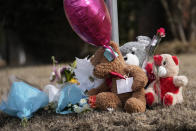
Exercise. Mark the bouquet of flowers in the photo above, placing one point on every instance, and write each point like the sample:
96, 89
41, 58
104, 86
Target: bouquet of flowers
65, 94
63, 74
23, 100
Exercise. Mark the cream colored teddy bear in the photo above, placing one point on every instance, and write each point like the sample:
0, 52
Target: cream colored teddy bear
167, 88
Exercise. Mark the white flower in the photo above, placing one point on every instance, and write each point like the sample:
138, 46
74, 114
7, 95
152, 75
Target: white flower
69, 105
83, 101
84, 74
77, 109
110, 109
86, 107
75, 106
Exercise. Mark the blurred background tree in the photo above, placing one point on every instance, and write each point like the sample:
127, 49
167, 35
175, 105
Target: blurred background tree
181, 16
33, 31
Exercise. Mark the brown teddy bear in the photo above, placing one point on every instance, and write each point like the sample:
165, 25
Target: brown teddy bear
108, 94
167, 88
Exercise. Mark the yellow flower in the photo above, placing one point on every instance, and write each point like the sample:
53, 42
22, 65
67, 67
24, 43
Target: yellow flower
74, 81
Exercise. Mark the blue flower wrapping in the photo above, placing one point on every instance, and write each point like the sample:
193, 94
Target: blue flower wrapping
70, 94
23, 100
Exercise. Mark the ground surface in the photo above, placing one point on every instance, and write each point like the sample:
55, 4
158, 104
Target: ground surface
179, 117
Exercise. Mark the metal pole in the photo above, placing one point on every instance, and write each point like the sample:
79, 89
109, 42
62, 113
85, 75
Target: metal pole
113, 9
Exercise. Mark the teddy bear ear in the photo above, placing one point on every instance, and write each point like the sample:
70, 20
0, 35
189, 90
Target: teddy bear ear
175, 60
115, 47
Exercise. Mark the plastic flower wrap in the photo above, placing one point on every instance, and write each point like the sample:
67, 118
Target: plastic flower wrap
69, 99
71, 81
84, 74
23, 100
52, 93
155, 41
72, 100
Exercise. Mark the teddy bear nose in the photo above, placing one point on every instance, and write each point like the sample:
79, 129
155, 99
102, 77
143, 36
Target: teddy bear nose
158, 60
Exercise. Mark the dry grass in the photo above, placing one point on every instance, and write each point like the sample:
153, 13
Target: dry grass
179, 117
177, 47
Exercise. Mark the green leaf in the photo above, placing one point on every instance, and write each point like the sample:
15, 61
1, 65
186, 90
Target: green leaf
74, 64
54, 62
67, 76
24, 122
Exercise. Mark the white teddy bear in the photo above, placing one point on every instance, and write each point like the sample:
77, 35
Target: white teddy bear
167, 88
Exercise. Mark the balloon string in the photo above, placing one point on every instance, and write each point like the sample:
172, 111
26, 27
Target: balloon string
108, 47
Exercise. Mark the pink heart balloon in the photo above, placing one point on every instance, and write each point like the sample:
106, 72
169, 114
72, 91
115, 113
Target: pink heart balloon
90, 19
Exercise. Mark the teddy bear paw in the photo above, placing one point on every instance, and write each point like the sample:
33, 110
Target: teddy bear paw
149, 98
134, 105
180, 81
106, 100
168, 100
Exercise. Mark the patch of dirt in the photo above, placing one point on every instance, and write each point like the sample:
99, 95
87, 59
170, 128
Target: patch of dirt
178, 117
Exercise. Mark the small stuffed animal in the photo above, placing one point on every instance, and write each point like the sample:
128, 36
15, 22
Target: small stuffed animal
167, 88
136, 53
117, 91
